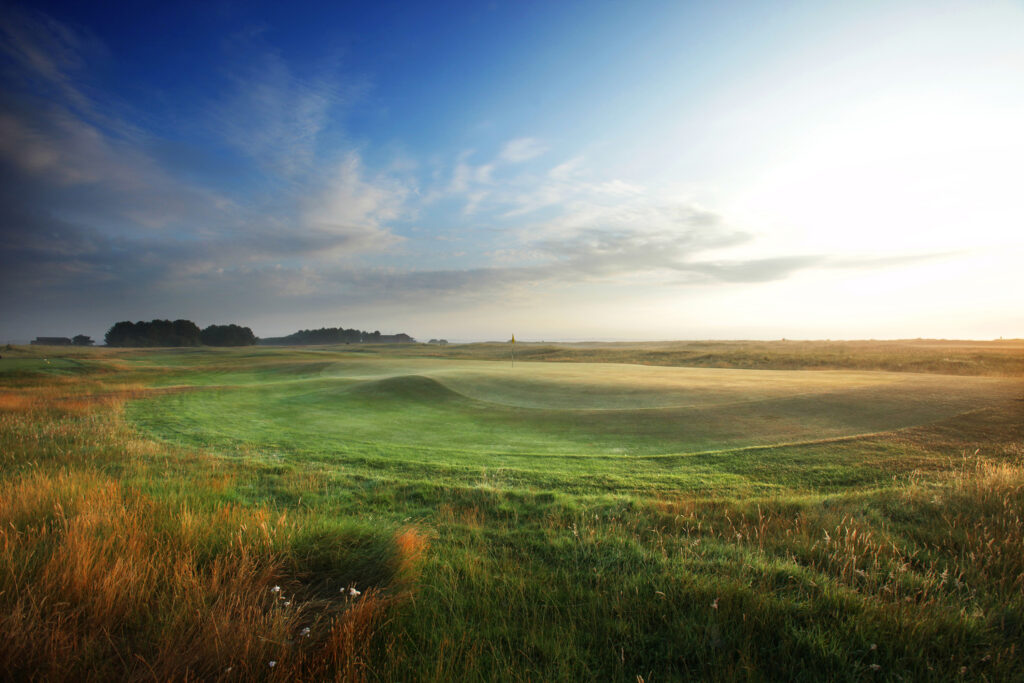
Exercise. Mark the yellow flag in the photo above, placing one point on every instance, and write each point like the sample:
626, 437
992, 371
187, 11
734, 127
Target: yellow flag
513, 339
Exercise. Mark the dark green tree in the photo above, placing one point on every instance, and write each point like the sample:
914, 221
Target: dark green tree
338, 335
120, 334
228, 335
154, 333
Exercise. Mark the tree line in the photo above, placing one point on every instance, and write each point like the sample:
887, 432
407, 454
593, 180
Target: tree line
338, 335
187, 333
177, 333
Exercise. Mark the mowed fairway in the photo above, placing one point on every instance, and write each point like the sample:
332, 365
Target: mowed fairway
623, 426
424, 513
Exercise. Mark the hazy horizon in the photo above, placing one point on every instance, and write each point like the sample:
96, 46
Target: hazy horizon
98, 339
560, 171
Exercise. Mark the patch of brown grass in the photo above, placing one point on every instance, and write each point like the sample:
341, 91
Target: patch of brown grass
344, 652
411, 545
15, 402
97, 581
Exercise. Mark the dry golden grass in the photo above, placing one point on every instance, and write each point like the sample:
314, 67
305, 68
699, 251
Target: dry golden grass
100, 581
412, 545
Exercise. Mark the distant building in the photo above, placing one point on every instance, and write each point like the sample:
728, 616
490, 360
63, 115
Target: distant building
51, 341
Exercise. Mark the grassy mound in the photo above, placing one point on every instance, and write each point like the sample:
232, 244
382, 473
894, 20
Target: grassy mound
411, 389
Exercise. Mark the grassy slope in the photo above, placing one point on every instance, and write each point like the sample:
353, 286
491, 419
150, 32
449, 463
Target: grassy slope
882, 556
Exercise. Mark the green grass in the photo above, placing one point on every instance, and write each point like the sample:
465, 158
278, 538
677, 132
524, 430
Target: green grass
587, 520
621, 429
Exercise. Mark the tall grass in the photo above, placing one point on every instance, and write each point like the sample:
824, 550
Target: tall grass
99, 580
920, 581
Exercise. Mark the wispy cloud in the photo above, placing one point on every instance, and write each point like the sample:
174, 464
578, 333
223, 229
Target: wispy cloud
468, 177
520, 150
46, 53
566, 169
82, 205
357, 209
277, 117
476, 182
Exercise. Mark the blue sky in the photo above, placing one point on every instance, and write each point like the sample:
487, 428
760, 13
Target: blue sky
649, 170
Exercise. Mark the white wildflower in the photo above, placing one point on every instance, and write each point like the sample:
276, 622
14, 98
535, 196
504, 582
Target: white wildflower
353, 592
272, 663
304, 632
275, 589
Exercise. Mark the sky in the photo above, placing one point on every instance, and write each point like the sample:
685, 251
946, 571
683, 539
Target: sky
553, 170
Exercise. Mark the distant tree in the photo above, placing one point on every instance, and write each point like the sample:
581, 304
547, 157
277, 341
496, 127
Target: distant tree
154, 333
82, 340
121, 334
337, 335
186, 333
228, 335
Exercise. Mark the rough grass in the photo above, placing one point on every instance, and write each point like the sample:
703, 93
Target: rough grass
892, 556
100, 580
